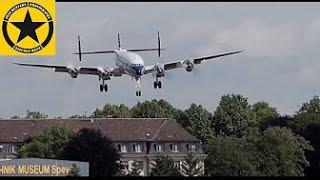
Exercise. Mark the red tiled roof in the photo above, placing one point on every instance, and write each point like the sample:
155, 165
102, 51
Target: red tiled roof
118, 129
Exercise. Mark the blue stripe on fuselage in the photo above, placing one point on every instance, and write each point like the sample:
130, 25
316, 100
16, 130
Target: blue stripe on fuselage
136, 70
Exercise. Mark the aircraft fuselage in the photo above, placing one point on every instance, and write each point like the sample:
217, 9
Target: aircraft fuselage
131, 63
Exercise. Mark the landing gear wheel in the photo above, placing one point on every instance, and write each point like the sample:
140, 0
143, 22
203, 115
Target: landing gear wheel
105, 87
155, 84
159, 84
138, 93
101, 88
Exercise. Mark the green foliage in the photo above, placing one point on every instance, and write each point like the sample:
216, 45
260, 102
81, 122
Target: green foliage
154, 109
307, 114
275, 152
233, 115
197, 120
79, 116
313, 135
36, 115
281, 153
74, 171
136, 168
114, 111
228, 156
164, 166
263, 111
92, 146
191, 166
15, 117
49, 144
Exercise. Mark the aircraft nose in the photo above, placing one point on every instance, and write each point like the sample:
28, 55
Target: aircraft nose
139, 69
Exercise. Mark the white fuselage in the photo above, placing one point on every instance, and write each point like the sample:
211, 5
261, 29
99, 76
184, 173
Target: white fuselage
131, 63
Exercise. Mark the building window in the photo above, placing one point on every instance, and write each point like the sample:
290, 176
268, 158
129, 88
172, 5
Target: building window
191, 147
158, 147
137, 148
122, 148
174, 148
13, 149
1, 148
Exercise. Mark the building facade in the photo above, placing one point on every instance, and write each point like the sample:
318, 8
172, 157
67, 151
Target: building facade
137, 139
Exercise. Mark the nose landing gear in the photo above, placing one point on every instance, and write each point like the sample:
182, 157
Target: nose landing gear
138, 92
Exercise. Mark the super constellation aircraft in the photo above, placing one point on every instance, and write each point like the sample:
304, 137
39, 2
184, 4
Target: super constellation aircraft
129, 63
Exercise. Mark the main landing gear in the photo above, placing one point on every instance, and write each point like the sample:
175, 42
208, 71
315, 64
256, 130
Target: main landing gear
103, 86
157, 84
138, 93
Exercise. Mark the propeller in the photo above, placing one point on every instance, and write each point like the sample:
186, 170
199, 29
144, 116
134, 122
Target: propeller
119, 45
159, 45
79, 48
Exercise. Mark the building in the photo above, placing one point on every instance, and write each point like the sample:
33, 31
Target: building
137, 139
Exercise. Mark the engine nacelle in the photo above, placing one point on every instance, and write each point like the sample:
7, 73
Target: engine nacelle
159, 70
188, 65
73, 71
103, 74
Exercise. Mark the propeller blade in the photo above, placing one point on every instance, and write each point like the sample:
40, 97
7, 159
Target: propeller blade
119, 41
159, 44
79, 46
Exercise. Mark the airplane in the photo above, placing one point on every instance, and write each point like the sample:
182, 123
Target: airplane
127, 62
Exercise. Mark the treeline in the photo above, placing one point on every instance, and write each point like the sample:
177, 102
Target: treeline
239, 138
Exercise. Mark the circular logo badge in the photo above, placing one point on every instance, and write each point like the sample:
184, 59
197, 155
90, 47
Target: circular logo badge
27, 27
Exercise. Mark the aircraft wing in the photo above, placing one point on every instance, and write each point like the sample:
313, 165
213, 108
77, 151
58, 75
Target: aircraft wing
179, 64
80, 70
197, 60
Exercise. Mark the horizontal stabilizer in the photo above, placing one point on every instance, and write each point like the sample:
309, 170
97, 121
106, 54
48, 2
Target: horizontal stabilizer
112, 51
150, 49
96, 52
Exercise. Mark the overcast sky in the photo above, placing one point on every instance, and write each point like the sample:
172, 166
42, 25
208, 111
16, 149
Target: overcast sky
280, 65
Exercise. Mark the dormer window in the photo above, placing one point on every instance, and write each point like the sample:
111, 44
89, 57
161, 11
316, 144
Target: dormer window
191, 147
122, 148
158, 147
137, 148
13, 149
174, 148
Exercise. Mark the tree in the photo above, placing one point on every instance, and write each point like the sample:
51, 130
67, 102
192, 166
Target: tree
281, 153
164, 166
307, 114
136, 168
263, 111
92, 146
305, 123
233, 115
197, 120
15, 117
74, 171
313, 135
36, 115
154, 109
228, 156
49, 144
114, 111
191, 166
281, 121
